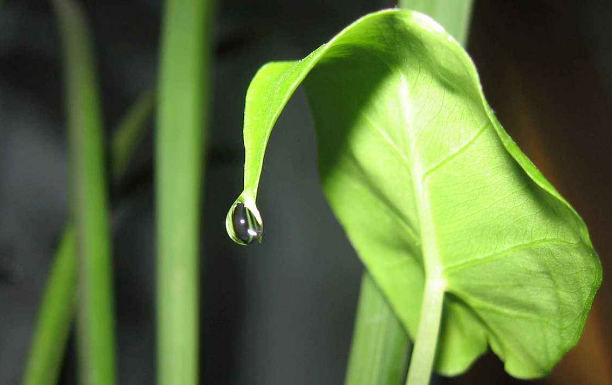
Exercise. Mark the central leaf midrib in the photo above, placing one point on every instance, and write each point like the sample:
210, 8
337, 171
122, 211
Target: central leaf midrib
429, 248
419, 176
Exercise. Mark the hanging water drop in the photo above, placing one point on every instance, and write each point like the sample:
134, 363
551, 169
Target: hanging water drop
245, 226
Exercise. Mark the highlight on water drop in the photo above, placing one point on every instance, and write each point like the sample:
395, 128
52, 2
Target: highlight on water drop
242, 224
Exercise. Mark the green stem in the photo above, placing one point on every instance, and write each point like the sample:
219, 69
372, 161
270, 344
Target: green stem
421, 363
59, 299
96, 328
380, 347
179, 144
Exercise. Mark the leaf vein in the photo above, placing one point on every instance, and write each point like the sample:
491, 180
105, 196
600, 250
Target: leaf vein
454, 268
456, 153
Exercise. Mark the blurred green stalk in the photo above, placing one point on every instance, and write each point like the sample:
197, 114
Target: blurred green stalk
380, 347
59, 299
453, 15
88, 187
129, 134
182, 114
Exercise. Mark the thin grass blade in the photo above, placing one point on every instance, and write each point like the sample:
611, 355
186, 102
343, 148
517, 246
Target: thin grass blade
96, 329
55, 315
129, 134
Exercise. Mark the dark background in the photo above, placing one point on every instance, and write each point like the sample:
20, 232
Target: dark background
280, 312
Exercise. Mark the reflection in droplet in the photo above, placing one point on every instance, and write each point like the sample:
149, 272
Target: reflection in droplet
245, 225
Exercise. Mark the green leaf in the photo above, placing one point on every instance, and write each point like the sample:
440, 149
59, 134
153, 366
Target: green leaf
446, 212
455, 16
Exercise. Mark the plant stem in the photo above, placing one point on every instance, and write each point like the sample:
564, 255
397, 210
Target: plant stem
59, 299
454, 15
424, 353
380, 347
179, 143
96, 329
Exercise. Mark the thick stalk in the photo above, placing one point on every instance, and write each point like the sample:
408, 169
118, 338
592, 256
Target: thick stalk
422, 360
88, 187
59, 299
380, 347
179, 145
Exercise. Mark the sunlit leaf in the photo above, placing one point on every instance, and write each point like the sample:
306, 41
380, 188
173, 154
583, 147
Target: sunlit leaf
432, 192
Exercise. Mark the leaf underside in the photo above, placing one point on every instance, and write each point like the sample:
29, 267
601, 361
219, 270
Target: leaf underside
422, 177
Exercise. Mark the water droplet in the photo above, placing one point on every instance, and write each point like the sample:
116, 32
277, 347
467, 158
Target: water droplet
245, 225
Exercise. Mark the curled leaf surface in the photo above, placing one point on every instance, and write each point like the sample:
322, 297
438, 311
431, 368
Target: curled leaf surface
428, 185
